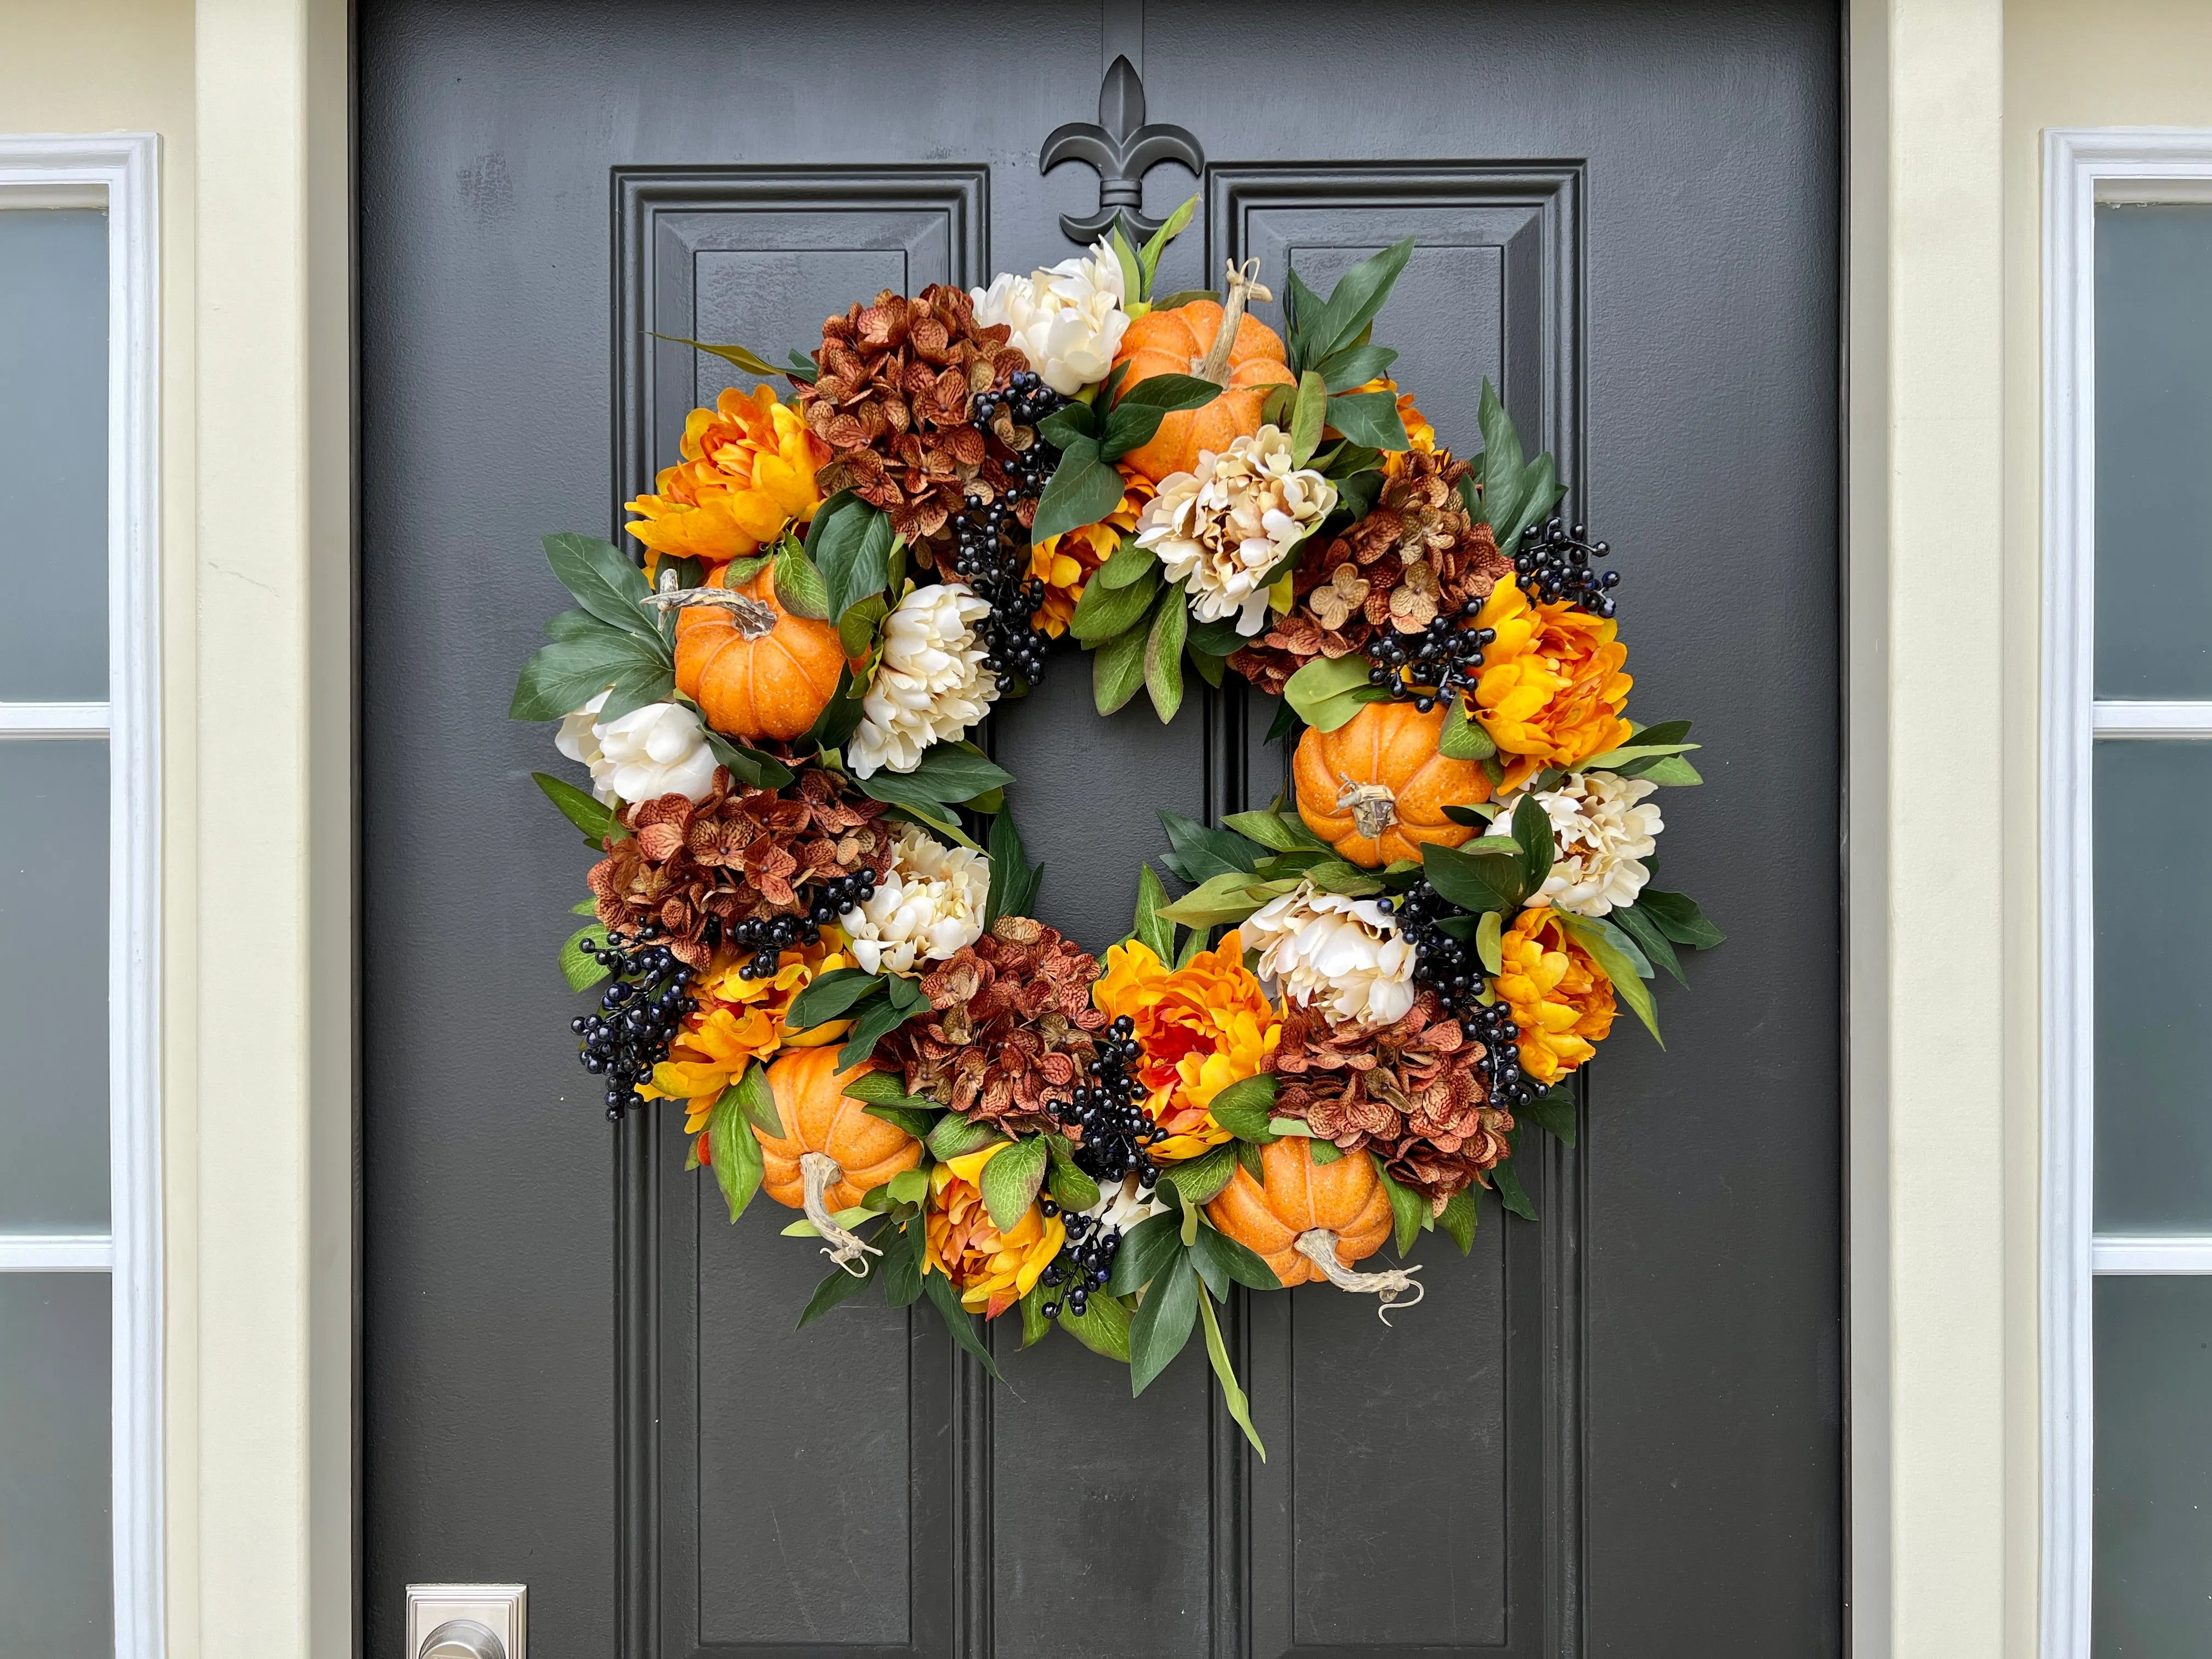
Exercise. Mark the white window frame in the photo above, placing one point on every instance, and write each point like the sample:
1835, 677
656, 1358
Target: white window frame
2081, 168
119, 171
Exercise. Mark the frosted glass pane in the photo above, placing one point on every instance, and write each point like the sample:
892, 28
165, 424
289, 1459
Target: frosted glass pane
53, 985
2153, 1565
56, 1591
53, 455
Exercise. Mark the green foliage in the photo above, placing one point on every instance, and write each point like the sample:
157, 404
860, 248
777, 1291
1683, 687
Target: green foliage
1164, 653
580, 968
959, 1321
1328, 691
737, 1155
1150, 931
1014, 880
1011, 1182
1245, 1107
592, 815
1200, 1179
1162, 1323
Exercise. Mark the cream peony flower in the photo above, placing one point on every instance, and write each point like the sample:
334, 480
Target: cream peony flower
927, 905
931, 684
1123, 1204
1345, 954
1068, 320
1226, 525
659, 750
1601, 833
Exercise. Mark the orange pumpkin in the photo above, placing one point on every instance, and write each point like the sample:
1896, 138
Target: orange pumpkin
755, 670
1188, 340
819, 1116
1300, 1196
1376, 788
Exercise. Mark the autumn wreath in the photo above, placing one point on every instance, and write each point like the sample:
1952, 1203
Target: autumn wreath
812, 914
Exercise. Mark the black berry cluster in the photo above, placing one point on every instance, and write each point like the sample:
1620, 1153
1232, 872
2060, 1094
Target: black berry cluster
1493, 1027
1554, 562
1109, 1112
639, 1013
1427, 667
991, 545
1442, 963
768, 937
1084, 1261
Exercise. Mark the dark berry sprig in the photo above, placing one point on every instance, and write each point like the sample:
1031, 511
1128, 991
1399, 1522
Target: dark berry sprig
1427, 668
1500, 1065
640, 1013
1452, 969
1084, 1261
768, 937
990, 543
1554, 562
1107, 1114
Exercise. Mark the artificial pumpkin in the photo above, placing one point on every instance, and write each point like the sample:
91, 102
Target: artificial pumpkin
1376, 788
832, 1153
755, 670
1309, 1220
1238, 353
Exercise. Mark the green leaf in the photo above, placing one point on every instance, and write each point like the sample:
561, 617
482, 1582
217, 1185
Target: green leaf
1408, 1207
1459, 1219
1370, 418
1244, 1108
838, 1286
899, 1269
798, 585
1183, 296
950, 773
1358, 297
1202, 1179
1133, 268
852, 552
1146, 1248
1613, 759
877, 1021
1304, 312
1656, 948
1013, 883
1162, 1323
1321, 1151
605, 583
1627, 983
1035, 1326
1149, 931
1011, 1182
1355, 366
1671, 770
1117, 669
828, 998
1249, 1155
1336, 876
1474, 882
1148, 256
1197, 852
594, 818
1285, 832
1083, 489
1133, 420
1511, 1193
1126, 563
1552, 1111
749, 765
957, 1320
562, 677
756, 1099
1164, 655
1306, 418
633, 690
1680, 919
582, 971
1490, 942
1328, 691
1464, 739
1070, 1186
1501, 464
737, 1155
916, 1120
1228, 898
841, 716
956, 1136
1230, 1260
730, 354
1103, 611
1531, 834
1216, 1351
900, 790
1102, 1326
1284, 725
1068, 422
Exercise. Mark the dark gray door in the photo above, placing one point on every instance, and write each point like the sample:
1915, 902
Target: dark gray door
1615, 1430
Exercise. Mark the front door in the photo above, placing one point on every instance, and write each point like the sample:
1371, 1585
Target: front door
1615, 1430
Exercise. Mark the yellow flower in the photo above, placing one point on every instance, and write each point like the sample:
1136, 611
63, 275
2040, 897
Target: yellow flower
1064, 562
1202, 1027
1559, 997
1420, 435
738, 1021
991, 1270
1552, 687
747, 472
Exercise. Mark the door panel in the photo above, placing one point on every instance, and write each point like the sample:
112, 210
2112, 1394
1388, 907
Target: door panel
578, 1374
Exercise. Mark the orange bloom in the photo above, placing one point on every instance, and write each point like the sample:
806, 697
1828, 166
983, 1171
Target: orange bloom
1202, 1027
1064, 562
991, 1270
1552, 687
1560, 998
738, 1020
747, 472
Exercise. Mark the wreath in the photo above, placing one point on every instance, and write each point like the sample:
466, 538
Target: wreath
812, 914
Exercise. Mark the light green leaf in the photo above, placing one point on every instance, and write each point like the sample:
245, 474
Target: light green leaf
1132, 270
1102, 1326
1680, 919
1671, 769
1150, 932
1217, 1351
1407, 1209
956, 1136
1117, 669
1370, 418
605, 583
1164, 655
1285, 832
1459, 1219
1464, 739
734, 354
1306, 418
582, 971
1224, 898
1617, 967
1201, 1180
756, 1099
1011, 1182
1489, 942
798, 585
737, 1155
1148, 256
1244, 1108
1126, 563
1328, 691
1101, 612
589, 814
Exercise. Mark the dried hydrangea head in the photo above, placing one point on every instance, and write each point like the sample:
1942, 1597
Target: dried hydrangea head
928, 903
1602, 829
931, 684
1342, 956
1228, 524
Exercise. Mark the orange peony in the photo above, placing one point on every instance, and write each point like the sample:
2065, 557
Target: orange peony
738, 1021
1552, 689
747, 472
1559, 997
991, 1270
1202, 1026
1064, 562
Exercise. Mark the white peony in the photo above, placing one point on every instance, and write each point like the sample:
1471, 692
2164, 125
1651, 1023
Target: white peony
1601, 833
1068, 320
931, 684
927, 905
659, 750
1123, 1204
1345, 953
1227, 525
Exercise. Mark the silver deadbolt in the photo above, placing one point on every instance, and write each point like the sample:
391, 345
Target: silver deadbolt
467, 1621
463, 1639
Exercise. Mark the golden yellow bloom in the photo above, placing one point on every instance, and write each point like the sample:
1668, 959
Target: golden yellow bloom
1421, 436
1202, 1027
748, 471
991, 1270
1560, 999
1064, 562
739, 1020
1552, 687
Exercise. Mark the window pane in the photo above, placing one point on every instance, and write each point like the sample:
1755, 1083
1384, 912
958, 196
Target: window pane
53, 985
55, 1585
2152, 1564
53, 455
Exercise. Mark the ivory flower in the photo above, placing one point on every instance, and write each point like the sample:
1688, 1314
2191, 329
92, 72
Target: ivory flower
1344, 956
1202, 1027
1227, 525
1066, 321
659, 750
1601, 831
931, 684
928, 904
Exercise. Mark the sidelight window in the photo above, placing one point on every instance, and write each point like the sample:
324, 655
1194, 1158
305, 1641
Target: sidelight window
79, 1253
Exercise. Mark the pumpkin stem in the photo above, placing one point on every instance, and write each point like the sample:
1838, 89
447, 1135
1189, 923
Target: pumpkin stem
1243, 286
821, 1172
1318, 1246
755, 620
1374, 808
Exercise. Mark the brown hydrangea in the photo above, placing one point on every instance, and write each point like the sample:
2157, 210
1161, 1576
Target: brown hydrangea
1010, 1028
893, 401
1418, 554
689, 868
1412, 1092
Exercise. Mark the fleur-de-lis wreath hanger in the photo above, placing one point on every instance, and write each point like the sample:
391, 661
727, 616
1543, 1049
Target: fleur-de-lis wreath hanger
1124, 147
